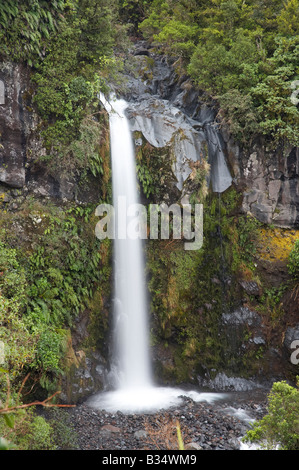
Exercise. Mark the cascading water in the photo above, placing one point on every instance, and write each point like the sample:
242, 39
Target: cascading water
130, 311
220, 175
135, 390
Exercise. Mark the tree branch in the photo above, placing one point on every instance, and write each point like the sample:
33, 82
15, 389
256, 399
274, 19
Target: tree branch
10, 409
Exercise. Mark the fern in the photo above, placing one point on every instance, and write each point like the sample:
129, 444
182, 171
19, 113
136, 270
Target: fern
26, 25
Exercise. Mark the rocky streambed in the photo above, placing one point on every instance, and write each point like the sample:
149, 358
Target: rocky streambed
204, 426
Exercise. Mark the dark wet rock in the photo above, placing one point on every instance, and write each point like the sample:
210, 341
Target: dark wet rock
226, 383
242, 315
251, 287
271, 179
157, 109
15, 123
141, 51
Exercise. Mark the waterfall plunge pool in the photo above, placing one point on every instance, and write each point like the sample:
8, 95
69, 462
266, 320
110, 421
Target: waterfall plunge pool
148, 399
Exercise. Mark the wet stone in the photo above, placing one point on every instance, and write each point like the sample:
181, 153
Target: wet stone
203, 427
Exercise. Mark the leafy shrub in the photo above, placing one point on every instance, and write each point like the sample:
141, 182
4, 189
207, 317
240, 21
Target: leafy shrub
24, 430
49, 351
19, 343
280, 427
40, 435
26, 26
243, 54
44, 286
64, 434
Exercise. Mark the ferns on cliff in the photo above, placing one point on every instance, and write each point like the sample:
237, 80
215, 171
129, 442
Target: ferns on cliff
25, 27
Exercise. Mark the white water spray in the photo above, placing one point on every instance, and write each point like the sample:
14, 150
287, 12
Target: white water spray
131, 329
135, 390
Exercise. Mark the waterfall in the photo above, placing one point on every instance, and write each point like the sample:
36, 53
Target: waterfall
135, 390
220, 175
130, 309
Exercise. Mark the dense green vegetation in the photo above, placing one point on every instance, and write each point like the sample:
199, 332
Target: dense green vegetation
69, 45
244, 57
279, 429
244, 54
57, 270
44, 284
26, 27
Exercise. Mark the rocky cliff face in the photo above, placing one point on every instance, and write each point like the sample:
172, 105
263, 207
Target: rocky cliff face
168, 111
169, 114
15, 124
268, 180
21, 148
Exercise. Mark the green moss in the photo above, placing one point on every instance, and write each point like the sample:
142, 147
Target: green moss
190, 290
154, 172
